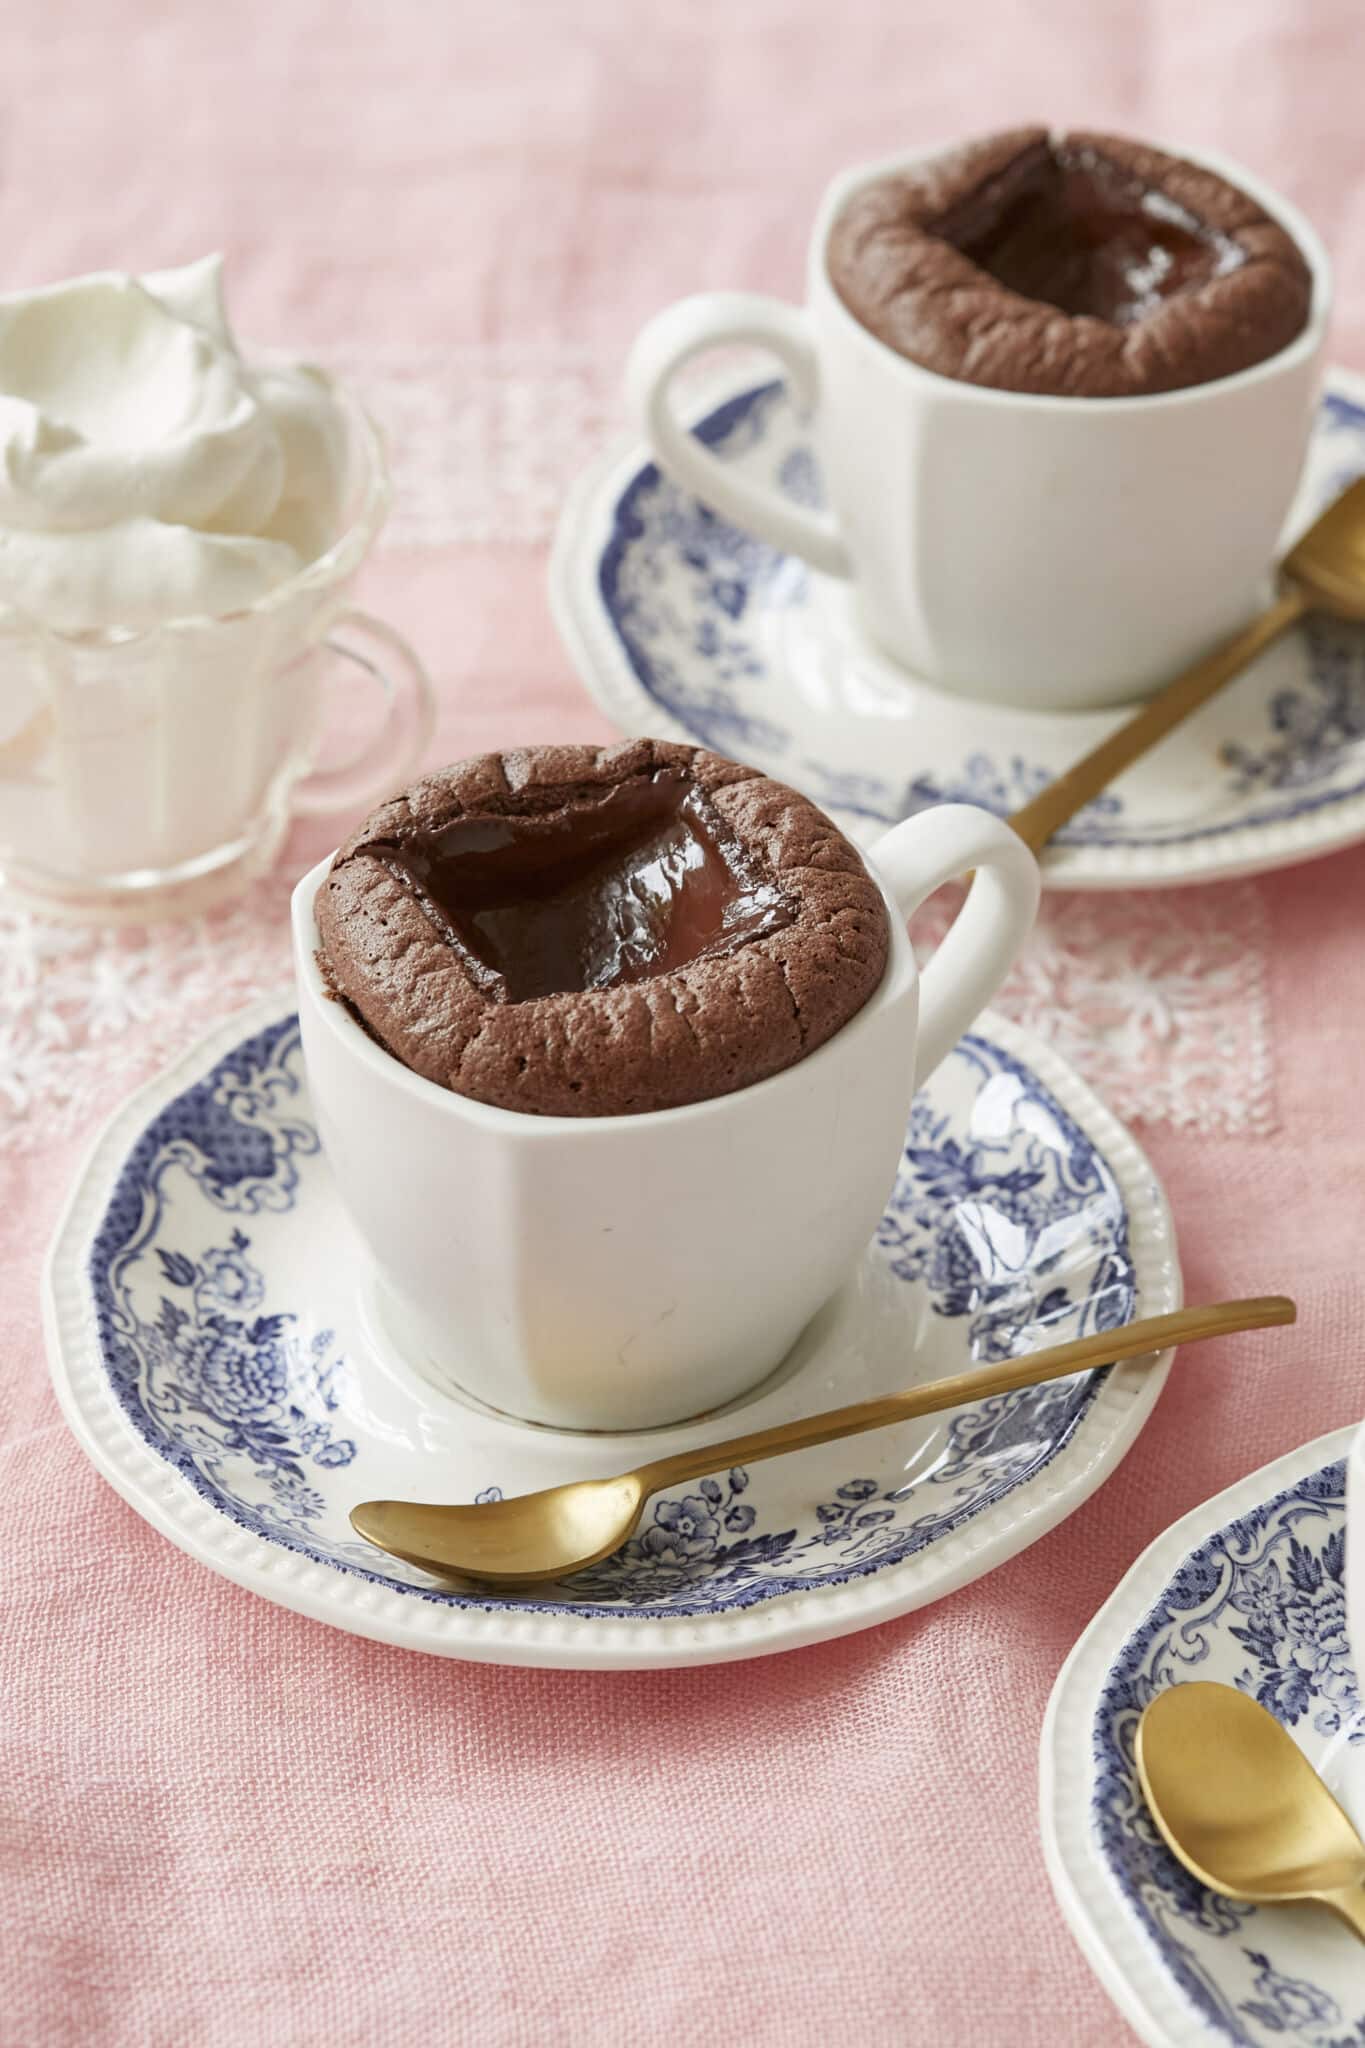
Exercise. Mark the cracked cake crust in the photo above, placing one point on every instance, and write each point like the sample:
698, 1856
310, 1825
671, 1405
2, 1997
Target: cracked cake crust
717, 1023
892, 262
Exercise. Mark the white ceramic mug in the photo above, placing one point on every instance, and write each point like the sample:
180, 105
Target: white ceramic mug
146, 772
620, 1272
1053, 553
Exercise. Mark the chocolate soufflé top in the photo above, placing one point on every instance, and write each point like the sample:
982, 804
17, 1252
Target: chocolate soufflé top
1074, 265
581, 931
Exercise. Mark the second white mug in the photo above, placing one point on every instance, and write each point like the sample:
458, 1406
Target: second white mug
1053, 553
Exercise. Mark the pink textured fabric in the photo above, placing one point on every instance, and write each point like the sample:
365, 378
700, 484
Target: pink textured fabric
221, 1824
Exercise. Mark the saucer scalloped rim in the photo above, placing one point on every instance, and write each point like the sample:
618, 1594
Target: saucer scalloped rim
214, 1355
1247, 1589
683, 627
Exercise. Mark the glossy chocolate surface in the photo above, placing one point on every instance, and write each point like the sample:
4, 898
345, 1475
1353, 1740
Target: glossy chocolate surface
609, 889
1074, 265
1075, 231
578, 931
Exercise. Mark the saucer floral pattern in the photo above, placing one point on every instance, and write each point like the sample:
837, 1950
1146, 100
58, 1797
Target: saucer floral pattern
1259, 1605
1313, 730
220, 1383
704, 1540
224, 1383
1005, 1219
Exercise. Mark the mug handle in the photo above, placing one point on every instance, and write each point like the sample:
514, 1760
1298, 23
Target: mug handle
387, 757
919, 856
715, 320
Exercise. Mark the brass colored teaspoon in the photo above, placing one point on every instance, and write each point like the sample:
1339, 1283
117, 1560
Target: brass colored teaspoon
1324, 572
539, 1536
1242, 1808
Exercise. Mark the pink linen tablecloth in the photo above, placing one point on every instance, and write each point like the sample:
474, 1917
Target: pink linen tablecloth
223, 1824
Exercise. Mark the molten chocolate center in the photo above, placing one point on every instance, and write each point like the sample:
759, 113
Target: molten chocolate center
607, 889
1078, 232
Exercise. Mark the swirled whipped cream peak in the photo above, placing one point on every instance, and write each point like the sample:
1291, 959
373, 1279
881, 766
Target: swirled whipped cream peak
147, 471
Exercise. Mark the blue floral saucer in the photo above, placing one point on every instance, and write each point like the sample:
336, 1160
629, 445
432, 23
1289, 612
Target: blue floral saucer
1246, 1590
684, 627
212, 1344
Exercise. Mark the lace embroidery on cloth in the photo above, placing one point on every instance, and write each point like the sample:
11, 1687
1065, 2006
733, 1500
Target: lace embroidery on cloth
484, 444
1160, 999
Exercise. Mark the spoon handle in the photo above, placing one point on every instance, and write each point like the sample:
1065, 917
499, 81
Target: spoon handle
1059, 802
1349, 1905
1105, 1347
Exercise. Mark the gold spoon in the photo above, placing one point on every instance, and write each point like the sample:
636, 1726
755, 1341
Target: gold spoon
538, 1536
1242, 1808
1323, 572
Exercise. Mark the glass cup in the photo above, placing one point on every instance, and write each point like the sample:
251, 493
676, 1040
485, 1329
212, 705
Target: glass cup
148, 772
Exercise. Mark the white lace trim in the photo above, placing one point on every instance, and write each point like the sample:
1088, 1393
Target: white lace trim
485, 442
86, 1015
1159, 998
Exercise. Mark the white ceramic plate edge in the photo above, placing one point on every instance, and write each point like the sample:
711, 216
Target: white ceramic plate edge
495, 1635
1094, 1912
585, 628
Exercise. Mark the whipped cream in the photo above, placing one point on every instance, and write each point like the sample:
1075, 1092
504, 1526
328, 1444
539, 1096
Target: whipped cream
147, 471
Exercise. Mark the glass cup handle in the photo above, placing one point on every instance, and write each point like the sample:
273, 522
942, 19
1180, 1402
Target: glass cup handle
714, 320
920, 855
388, 757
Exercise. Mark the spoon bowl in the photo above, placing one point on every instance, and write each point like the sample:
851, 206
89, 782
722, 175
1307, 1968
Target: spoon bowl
1239, 1804
498, 1541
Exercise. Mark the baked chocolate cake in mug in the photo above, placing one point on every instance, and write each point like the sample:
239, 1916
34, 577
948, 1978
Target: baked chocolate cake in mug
1076, 265
581, 931
611, 1053
1058, 389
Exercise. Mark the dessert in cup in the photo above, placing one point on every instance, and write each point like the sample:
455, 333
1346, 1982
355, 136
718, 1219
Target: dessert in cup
598, 1039
1053, 379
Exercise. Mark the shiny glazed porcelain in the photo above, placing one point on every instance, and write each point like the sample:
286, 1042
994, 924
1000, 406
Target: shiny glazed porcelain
624, 1272
1051, 553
